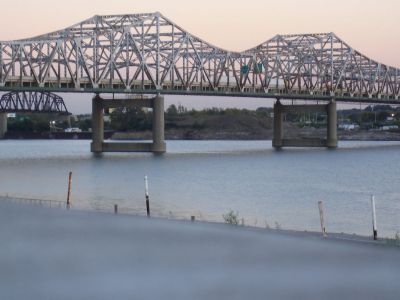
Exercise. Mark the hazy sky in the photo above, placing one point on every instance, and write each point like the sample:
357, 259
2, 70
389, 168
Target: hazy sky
370, 26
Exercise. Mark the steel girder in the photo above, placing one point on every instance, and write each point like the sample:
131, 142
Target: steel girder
149, 53
38, 102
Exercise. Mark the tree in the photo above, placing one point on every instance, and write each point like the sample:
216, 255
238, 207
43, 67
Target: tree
172, 110
181, 109
123, 119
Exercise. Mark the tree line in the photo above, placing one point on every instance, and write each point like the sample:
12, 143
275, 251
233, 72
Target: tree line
133, 118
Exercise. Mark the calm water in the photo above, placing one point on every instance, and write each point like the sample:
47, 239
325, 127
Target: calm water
208, 178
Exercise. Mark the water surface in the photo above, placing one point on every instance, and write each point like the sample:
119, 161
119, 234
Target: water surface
209, 178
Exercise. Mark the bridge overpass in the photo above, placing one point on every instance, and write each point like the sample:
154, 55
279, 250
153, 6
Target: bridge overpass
149, 54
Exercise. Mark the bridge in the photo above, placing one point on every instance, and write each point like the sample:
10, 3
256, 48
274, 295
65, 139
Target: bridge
149, 54
29, 102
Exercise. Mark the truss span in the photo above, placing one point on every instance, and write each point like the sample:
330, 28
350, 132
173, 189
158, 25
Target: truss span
148, 53
38, 102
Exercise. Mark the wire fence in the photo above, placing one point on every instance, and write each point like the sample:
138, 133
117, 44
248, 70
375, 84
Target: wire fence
107, 209
230, 218
31, 201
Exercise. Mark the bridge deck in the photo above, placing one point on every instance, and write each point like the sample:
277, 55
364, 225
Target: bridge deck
229, 92
148, 53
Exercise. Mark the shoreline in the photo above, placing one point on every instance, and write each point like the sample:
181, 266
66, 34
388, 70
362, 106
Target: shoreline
330, 236
200, 135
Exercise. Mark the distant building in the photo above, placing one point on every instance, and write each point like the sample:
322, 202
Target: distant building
389, 127
73, 129
350, 126
84, 117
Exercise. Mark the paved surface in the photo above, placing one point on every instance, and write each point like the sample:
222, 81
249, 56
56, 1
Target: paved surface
56, 254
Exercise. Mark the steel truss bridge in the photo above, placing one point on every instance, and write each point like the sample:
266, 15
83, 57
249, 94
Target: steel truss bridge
148, 53
37, 102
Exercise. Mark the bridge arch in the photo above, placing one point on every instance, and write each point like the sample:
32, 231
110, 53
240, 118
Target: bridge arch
29, 102
36, 102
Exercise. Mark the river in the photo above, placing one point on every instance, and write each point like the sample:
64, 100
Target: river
209, 178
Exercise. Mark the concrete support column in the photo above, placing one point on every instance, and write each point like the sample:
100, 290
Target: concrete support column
158, 125
277, 141
332, 141
97, 125
3, 125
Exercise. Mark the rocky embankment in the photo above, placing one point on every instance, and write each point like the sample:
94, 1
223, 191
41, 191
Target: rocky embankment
246, 127
176, 134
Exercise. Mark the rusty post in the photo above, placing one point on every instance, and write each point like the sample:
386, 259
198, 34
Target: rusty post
69, 190
147, 196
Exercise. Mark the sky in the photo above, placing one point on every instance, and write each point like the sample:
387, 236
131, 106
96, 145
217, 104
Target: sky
370, 26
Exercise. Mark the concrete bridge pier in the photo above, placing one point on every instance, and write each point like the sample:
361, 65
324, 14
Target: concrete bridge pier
97, 125
277, 141
100, 104
159, 145
332, 140
3, 125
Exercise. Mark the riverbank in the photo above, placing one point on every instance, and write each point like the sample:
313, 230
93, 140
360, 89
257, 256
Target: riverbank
12, 135
262, 134
207, 135
41, 203
218, 127
58, 254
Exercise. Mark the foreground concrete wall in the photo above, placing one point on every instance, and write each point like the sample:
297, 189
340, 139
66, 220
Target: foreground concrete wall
3, 125
70, 255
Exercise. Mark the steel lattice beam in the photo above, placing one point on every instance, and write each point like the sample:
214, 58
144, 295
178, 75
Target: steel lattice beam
38, 102
147, 53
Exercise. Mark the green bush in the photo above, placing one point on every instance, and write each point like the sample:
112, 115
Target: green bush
231, 218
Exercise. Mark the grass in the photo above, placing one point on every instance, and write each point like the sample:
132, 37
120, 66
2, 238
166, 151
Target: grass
395, 241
